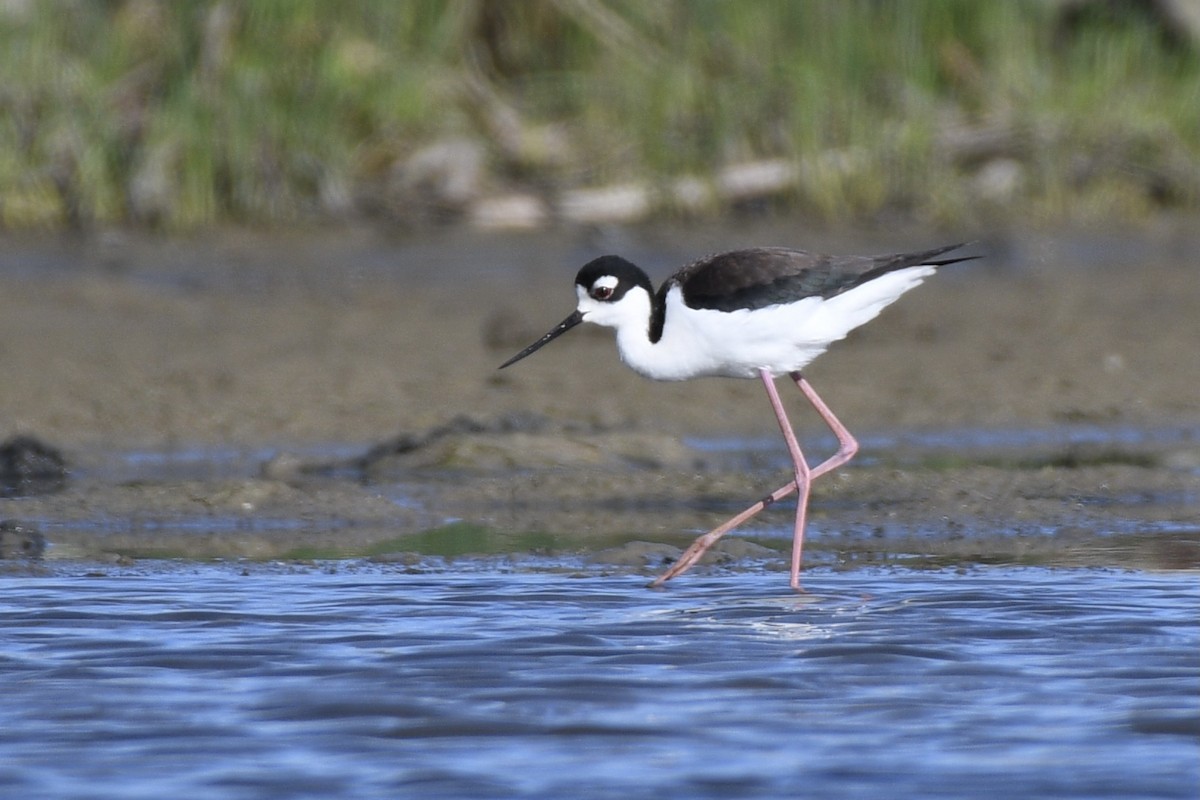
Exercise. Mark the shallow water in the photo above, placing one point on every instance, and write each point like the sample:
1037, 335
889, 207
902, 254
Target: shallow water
348, 679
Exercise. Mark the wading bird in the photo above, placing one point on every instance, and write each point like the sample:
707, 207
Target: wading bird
757, 313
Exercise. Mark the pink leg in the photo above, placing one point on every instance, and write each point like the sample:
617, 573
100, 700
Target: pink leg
803, 479
847, 444
847, 447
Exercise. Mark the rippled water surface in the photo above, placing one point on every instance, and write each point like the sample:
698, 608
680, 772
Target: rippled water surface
353, 680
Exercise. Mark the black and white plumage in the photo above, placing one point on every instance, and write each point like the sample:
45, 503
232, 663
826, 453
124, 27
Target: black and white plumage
756, 313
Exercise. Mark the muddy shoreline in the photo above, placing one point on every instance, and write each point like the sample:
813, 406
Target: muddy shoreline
274, 347
250, 339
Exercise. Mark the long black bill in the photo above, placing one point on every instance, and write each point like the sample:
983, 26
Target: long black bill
555, 332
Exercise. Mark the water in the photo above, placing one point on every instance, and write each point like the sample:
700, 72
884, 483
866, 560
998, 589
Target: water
348, 679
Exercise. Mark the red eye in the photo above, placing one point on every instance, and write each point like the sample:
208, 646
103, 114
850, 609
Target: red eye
601, 292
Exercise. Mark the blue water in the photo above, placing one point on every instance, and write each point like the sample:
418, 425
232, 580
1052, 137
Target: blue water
368, 681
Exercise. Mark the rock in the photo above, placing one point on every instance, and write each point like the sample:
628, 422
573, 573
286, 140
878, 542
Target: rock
28, 467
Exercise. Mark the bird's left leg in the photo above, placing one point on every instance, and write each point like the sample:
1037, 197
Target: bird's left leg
847, 448
847, 444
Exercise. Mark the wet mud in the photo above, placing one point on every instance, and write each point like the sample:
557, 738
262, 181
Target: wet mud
335, 395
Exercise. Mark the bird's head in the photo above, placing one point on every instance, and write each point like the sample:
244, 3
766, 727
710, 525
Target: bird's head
611, 292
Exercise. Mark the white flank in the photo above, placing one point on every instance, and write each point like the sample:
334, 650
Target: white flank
782, 338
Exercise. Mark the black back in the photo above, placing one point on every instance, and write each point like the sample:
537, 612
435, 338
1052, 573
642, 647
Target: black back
767, 276
755, 278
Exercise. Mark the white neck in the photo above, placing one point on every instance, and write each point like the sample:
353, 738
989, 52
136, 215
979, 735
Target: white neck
674, 357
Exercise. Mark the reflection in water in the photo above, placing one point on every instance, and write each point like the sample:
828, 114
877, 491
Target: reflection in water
345, 679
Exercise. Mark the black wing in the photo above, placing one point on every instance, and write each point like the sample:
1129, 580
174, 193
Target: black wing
767, 276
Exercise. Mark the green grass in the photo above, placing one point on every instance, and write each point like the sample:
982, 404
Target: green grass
187, 113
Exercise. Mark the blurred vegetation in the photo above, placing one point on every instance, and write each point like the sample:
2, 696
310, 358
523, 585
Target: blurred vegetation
193, 112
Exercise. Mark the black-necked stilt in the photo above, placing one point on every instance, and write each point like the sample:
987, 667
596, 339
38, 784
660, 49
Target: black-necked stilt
757, 313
